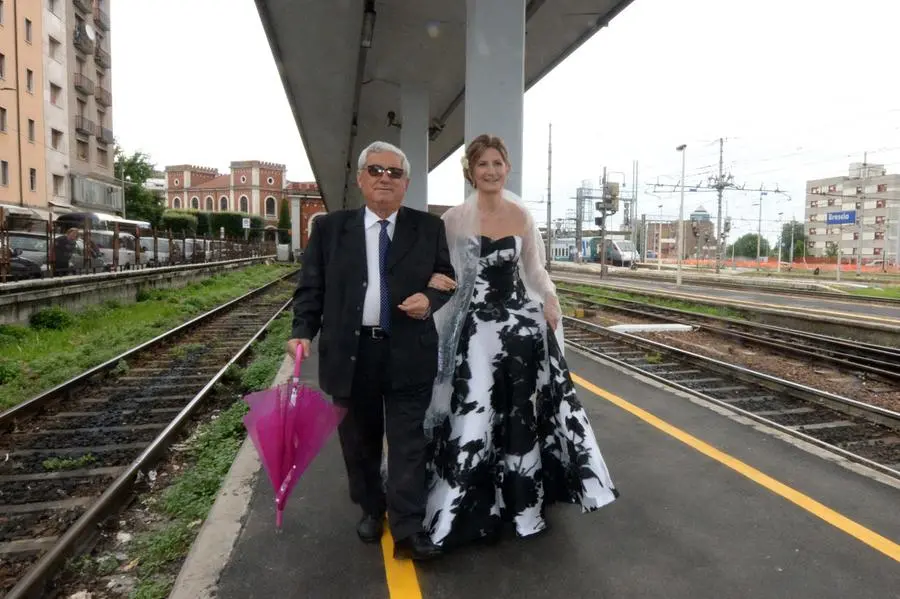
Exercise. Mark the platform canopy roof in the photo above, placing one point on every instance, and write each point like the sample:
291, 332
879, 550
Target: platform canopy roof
342, 68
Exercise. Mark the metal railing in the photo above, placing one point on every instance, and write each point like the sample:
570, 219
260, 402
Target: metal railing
103, 96
101, 18
102, 58
85, 85
84, 125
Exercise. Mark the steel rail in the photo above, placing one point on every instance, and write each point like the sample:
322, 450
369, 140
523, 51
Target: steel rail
881, 360
9, 417
838, 403
80, 535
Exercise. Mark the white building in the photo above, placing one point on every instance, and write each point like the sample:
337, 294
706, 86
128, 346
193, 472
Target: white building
874, 198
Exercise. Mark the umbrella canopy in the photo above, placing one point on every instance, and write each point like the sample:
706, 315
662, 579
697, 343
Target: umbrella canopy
289, 425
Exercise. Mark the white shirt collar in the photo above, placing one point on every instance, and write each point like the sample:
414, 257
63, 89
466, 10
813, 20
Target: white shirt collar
373, 219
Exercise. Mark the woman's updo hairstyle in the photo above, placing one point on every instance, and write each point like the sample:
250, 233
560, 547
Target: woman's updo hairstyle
476, 148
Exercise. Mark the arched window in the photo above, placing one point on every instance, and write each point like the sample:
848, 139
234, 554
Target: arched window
209, 203
195, 203
176, 203
244, 204
223, 204
270, 206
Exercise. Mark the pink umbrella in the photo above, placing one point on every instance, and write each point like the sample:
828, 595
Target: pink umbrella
289, 425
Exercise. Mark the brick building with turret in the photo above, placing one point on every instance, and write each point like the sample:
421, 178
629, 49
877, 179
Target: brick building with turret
252, 187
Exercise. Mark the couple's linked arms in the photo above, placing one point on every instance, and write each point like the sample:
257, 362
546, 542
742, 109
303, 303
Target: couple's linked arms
309, 295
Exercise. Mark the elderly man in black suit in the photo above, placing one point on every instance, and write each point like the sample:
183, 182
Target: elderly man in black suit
365, 289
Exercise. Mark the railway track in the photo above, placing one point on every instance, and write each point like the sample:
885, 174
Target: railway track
881, 361
777, 289
858, 431
70, 456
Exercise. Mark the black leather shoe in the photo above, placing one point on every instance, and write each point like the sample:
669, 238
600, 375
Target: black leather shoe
370, 528
417, 547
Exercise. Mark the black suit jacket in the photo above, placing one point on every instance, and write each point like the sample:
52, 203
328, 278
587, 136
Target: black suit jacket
329, 298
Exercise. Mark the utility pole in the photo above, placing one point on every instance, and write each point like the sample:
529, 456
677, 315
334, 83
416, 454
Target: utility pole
720, 188
605, 194
683, 149
644, 236
720, 184
579, 216
549, 179
634, 199
793, 226
859, 213
759, 230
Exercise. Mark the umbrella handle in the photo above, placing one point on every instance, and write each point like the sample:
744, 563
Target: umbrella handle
298, 358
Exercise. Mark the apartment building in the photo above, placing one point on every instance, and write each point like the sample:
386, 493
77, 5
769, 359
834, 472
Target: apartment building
89, 85
22, 155
873, 196
56, 142
699, 236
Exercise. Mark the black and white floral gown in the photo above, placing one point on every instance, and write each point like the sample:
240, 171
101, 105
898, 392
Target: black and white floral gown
517, 438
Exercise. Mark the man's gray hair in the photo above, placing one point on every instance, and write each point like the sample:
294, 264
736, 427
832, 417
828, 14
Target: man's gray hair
382, 146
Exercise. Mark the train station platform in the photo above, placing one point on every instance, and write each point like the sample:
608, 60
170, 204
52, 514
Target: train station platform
711, 507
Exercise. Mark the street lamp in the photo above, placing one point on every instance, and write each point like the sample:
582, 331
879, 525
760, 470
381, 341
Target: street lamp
682, 148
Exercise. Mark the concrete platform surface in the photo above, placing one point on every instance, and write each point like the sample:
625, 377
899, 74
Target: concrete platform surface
710, 507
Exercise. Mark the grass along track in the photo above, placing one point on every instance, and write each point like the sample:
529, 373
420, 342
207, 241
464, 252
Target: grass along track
59, 345
111, 427
142, 551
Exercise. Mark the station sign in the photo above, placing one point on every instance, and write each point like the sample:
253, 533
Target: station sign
843, 217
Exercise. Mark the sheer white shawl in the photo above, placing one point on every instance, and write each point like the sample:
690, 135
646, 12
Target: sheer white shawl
464, 242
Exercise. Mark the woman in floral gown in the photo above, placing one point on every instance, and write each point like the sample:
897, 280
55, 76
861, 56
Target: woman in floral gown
509, 435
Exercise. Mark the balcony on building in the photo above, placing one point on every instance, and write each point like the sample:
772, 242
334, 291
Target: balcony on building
83, 5
101, 18
104, 135
84, 125
81, 40
102, 58
84, 84
103, 97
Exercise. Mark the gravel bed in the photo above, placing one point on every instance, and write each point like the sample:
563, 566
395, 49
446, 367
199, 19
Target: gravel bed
818, 376
36, 524
31, 464
12, 567
142, 415
55, 489
81, 439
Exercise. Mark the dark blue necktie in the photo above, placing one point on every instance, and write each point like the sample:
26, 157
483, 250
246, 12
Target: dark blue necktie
384, 243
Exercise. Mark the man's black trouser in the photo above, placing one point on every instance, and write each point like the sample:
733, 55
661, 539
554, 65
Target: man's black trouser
373, 410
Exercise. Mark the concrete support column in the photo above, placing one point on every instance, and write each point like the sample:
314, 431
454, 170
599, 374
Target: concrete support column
414, 142
296, 218
495, 76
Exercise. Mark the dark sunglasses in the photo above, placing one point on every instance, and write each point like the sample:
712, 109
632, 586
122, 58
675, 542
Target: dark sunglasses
376, 170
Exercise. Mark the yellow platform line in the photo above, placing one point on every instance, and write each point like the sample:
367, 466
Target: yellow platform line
839, 521
401, 576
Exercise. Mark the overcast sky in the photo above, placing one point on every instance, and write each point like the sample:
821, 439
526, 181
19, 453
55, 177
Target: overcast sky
798, 89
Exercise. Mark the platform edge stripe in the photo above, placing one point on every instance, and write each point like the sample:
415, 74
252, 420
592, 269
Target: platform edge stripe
401, 576
858, 531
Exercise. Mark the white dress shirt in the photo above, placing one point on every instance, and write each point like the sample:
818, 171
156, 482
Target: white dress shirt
372, 304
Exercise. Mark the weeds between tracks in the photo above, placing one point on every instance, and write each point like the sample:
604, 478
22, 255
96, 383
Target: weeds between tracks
144, 553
